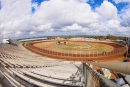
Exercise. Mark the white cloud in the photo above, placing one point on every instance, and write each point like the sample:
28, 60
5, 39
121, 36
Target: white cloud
108, 10
125, 15
57, 17
32, 32
14, 15
92, 1
74, 27
44, 26
66, 13
120, 1
124, 27
83, 1
18, 32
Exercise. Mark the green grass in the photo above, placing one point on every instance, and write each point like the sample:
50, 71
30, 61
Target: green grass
80, 46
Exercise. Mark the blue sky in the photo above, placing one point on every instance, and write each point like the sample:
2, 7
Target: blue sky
29, 18
119, 6
0, 4
94, 3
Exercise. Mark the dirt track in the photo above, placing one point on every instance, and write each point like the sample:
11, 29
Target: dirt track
115, 55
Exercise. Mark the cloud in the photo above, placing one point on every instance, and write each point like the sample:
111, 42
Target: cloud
57, 17
66, 13
83, 1
0, 5
121, 1
32, 32
125, 24
125, 16
108, 10
14, 16
74, 27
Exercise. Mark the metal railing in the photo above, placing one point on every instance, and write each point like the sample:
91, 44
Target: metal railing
94, 79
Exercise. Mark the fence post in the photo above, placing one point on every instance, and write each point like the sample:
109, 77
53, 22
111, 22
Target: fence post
80, 53
97, 53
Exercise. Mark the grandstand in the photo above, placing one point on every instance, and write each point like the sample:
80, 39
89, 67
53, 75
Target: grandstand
32, 39
17, 61
20, 67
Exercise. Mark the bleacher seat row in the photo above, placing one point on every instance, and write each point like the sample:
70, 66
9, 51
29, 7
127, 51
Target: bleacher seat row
21, 66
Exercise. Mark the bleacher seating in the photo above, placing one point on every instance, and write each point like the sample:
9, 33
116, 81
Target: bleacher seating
19, 62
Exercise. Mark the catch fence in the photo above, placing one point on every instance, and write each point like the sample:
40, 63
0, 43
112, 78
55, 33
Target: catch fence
79, 54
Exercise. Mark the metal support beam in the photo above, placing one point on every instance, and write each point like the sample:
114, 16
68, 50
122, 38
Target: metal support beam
123, 67
94, 79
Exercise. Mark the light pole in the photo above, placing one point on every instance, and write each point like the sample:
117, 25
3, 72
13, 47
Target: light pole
128, 42
0, 38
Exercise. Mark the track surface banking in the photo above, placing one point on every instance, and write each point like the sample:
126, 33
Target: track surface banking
117, 52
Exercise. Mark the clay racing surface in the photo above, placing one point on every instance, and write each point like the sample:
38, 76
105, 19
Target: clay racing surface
78, 50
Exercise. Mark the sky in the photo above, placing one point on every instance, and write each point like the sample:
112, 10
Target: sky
32, 18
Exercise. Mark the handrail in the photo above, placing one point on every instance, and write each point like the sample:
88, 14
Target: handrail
94, 79
123, 67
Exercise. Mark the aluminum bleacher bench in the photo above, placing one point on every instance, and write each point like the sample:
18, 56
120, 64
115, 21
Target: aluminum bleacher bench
51, 80
32, 81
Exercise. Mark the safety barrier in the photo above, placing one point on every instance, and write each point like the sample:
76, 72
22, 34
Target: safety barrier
118, 51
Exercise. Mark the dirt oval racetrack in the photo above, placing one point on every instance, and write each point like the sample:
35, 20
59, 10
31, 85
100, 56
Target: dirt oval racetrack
118, 51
